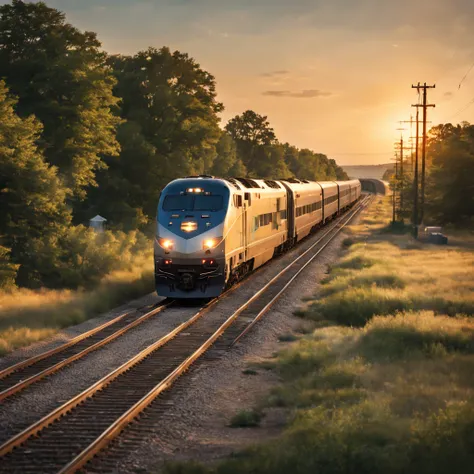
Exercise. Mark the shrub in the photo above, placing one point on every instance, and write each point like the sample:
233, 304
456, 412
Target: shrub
246, 419
411, 333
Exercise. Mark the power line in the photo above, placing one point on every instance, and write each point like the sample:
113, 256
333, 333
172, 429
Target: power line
462, 109
362, 154
465, 76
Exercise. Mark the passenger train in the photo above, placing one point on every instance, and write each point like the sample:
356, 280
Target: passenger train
212, 231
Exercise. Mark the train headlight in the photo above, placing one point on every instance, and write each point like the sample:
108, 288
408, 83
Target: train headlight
167, 244
189, 226
209, 244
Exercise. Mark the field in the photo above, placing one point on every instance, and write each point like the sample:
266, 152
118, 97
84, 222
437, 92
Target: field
384, 383
28, 316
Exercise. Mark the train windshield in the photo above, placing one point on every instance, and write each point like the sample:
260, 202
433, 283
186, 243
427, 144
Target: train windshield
188, 202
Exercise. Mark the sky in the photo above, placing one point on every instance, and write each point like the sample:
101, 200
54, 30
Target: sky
334, 76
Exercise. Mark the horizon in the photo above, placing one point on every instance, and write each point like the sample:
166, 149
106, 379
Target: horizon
318, 70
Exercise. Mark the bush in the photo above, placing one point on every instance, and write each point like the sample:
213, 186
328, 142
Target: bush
408, 334
80, 257
246, 419
354, 307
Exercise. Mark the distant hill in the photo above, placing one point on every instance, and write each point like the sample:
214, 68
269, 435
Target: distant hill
367, 171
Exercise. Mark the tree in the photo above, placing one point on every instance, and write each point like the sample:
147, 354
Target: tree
59, 75
450, 182
251, 127
171, 129
226, 162
32, 198
254, 137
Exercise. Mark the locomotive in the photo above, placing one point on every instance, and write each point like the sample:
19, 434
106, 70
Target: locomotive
213, 231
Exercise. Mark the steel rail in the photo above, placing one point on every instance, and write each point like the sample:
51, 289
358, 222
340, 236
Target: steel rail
118, 426
36, 427
275, 298
59, 365
50, 352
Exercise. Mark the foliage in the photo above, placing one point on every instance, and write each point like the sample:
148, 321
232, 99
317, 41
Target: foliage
8, 270
60, 76
388, 174
170, 129
80, 257
32, 199
246, 419
450, 186
263, 156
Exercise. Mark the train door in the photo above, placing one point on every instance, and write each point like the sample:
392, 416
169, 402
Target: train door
290, 212
243, 233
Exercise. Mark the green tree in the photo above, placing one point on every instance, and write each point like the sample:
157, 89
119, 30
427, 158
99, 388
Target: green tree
257, 146
59, 75
32, 198
171, 129
450, 182
226, 162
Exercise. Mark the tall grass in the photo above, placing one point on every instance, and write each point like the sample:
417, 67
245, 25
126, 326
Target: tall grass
27, 316
386, 382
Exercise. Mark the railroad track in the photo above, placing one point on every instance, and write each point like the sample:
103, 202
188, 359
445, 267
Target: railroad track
17, 377
70, 437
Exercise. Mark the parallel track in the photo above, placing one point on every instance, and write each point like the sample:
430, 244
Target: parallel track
17, 377
69, 437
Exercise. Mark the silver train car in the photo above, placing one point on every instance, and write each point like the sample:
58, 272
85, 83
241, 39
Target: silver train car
212, 231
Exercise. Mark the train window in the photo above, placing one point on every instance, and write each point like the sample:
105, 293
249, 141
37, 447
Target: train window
208, 203
178, 203
272, 184
192, 203
237, 200
248, 183
283, 214
256, 223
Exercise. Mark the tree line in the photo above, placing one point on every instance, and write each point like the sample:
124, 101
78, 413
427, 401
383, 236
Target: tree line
83, 132
449, 194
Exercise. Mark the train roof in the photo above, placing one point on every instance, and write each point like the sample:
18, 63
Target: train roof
257, 185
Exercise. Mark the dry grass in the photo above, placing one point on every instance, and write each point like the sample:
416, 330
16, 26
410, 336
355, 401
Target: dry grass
386, 383
28, 316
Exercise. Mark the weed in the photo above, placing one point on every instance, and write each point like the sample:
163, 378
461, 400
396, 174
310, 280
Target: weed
246, 419
249, 372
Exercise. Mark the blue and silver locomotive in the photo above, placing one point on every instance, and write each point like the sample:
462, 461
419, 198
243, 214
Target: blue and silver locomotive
212, 231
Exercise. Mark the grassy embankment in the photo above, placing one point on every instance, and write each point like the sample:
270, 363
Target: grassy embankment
28, 316
385, 382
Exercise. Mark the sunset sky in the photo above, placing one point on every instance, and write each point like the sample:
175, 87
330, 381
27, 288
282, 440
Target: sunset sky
331, 75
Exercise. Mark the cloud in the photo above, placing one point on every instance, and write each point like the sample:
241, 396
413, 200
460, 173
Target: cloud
281, 72
304, 94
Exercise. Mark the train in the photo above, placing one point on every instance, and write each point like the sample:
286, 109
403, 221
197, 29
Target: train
212, 231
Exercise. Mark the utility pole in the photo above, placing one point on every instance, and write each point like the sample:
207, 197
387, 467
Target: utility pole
415, 178
394, 191
401, 179
411, 122
423, 149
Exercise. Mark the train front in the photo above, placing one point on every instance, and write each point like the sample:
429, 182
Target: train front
189, 244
